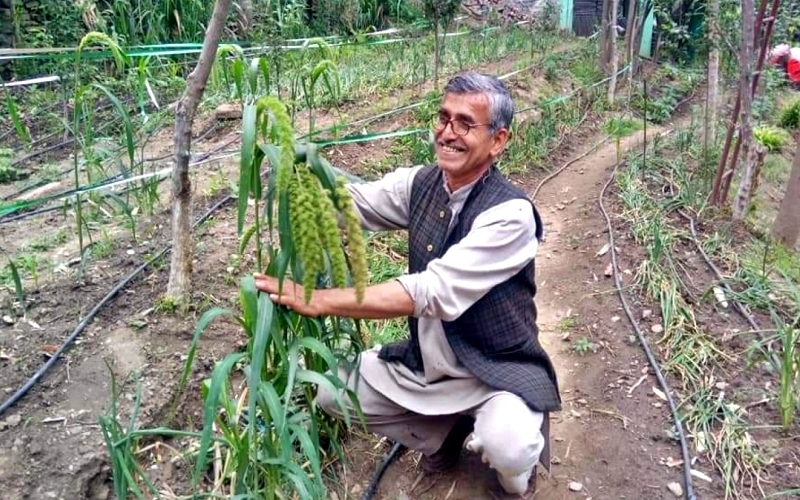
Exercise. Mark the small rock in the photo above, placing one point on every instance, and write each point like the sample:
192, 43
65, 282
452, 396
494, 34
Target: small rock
8, 319
14, 420
614, 319
355, 490
575, 486
676, 489
647, 313
228, 111
657, 329
35, 448
582, 401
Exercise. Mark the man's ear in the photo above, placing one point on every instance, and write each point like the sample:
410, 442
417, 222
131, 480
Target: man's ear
499, 141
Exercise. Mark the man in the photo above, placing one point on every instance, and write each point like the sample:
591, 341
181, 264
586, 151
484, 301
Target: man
472, 367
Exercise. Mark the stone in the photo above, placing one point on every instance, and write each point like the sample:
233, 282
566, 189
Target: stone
575, 486
14, 420
228, 111
676, 489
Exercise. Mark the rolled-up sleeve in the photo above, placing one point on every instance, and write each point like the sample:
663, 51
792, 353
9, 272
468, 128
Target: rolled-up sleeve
500, 243
383, 204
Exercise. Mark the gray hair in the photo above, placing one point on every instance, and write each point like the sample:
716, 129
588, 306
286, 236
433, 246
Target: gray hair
501, 106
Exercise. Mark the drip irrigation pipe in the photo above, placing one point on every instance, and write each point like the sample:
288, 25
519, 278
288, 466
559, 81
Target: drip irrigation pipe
390, 457
195, 48
88, 318
205, 158
687, 476
53, 208
110, 296
736, 304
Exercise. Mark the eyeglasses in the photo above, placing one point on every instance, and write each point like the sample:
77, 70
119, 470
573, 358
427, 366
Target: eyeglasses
459, 126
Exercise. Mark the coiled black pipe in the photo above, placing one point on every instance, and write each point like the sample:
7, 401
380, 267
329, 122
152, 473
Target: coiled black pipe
89, 317
687, 467
390, 457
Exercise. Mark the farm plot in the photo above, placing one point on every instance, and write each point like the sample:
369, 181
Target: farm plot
159, 399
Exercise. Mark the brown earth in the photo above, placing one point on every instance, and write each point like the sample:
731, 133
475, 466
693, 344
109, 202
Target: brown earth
611, 436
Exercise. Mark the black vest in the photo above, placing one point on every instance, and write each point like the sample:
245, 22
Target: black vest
497, 338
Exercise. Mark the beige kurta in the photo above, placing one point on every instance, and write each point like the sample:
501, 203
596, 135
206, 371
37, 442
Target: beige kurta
500, 243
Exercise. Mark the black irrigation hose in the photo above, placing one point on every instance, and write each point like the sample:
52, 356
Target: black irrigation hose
687, 475
390, 457
5, 219
40, 183
736, 304
88, 318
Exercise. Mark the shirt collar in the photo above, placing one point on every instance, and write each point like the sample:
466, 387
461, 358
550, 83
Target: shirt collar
461, 193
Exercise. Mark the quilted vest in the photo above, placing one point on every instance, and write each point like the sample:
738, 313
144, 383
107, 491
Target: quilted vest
496, 339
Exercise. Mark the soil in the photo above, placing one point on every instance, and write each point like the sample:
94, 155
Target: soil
612, 435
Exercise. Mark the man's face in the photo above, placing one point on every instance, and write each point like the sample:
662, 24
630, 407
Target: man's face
464, 158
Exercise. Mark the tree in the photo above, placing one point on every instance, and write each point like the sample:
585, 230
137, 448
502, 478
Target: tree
741, 202
439, 13
786, 227
612, 39
713, 74
180, 272
604, 39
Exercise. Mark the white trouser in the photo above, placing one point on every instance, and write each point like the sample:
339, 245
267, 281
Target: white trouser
507, 432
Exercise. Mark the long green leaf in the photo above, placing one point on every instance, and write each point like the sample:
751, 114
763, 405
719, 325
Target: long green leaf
261, 337
205, 320
300, 480
130, 142
19, 126
320, 350
310, 450
219, 378
248, 300
249, 132
329, 383
18, 290
271, 405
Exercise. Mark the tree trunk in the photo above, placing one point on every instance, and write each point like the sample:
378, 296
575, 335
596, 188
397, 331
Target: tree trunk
613, 35
180, 272
630, 30
436, 53
710, 132
603, 39
741, 203
786, 227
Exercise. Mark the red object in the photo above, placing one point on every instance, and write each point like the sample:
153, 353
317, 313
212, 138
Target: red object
793, 69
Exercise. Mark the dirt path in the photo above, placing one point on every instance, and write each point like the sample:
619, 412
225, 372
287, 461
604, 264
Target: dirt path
610, 438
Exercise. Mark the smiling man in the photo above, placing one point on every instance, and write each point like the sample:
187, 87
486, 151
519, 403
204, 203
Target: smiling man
472, 370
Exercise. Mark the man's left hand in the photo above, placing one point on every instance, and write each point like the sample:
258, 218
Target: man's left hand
291, 295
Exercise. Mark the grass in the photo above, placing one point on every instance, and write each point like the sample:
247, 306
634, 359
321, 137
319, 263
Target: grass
764, 277
350, 75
